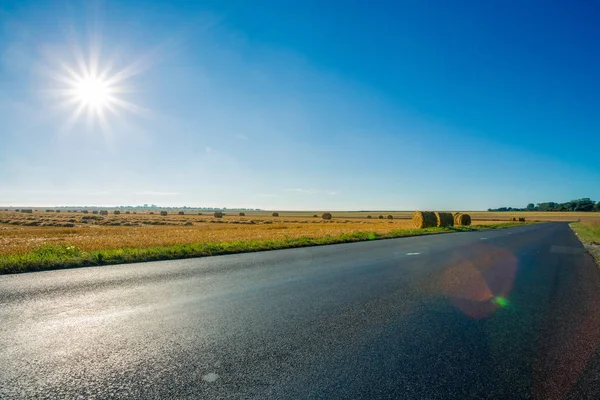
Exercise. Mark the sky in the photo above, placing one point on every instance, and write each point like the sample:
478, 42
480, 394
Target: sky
299, 105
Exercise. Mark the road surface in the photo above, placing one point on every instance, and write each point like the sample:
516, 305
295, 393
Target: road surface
512, 313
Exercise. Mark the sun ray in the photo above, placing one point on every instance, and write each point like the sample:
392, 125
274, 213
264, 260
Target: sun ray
75, 115
126, 105
93, 90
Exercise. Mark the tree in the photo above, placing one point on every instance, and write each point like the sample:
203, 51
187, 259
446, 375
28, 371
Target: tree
585, 204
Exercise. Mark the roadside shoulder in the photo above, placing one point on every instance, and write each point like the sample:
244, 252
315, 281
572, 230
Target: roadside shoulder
589, 235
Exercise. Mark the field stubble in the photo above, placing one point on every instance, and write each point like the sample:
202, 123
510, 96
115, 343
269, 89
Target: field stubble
21, 233
46, 240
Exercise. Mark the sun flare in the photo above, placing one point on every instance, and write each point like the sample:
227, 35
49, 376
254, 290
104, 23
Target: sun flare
92, 89
92, 92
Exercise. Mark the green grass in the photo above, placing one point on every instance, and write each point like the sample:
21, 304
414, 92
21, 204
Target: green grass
589, 234
67, 256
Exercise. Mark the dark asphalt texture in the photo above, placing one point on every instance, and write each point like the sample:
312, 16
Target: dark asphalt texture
504, 314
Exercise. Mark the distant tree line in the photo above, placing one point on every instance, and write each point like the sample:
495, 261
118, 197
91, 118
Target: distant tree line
585, 204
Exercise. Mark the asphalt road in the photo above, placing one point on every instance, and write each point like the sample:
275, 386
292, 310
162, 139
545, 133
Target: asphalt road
504, 314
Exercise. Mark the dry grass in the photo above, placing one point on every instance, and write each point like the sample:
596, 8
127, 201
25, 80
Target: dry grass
475, 215
20, 233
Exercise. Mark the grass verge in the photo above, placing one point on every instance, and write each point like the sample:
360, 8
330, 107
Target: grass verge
589, 234
50, 257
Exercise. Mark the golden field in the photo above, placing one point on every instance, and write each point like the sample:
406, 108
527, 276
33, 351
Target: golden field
21, 232
144, 230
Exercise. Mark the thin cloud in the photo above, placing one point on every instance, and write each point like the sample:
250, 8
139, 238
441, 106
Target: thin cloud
313, 191
241, 137
155, 193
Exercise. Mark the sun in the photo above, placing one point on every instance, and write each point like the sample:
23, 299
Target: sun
92, 92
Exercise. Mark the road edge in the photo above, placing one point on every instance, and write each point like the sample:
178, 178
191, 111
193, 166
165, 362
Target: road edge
592, 249
68, 256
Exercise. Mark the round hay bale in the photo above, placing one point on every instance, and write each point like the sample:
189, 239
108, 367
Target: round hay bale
456, 217
151, 212
181, 213
521, 219
85, 211
275, 214
218, 214
390, 217
462, 219
199, 213
57, 211
424, 219
381, 217
512, 219
326, 215
95, 212
103, 212
444, 219
465, 220
242, 214
164, 213
369, 217
315, 216
127, 212
116, 212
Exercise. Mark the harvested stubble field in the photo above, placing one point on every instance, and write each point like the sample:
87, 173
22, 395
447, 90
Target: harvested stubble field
45, 240
21, 233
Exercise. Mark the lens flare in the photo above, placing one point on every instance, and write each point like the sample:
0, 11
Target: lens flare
90, 85
500, 301
479, 283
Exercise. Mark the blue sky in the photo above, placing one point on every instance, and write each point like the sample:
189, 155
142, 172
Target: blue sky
333, 105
